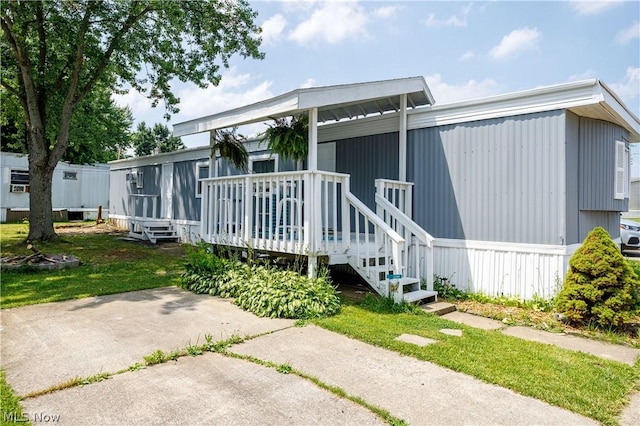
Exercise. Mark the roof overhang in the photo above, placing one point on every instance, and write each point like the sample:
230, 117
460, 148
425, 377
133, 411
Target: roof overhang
588, 98
334, 103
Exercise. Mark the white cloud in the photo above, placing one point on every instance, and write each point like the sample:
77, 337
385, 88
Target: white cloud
385, 11
583, 75
272, 28
516, 41
629, 88
467, 55
627, 34
136, 101
446, 93
310, 82
234, 90
331, 22
451, 21
590, 7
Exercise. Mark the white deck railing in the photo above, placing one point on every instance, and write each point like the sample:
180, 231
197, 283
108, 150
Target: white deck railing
400, 194
290, 212
376, 250
417, 253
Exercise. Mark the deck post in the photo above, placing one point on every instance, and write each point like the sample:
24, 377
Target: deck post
402, 141
313, 140
312, 266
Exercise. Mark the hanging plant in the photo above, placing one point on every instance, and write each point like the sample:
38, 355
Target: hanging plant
289, 138
230, 146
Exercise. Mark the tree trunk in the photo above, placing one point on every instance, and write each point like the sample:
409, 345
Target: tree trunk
40, 203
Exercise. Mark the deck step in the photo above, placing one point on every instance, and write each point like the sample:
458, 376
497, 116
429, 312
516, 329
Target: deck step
419, 295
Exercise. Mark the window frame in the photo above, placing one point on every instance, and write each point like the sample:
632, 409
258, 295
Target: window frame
69, 175
264, 157
19, 182
200, 165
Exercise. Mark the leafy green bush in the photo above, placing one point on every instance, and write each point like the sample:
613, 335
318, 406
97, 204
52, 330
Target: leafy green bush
206, 273
447, 290
601, 285
262, 290
286, 294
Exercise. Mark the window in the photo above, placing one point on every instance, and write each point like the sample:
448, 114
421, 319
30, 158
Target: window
70, 175
265, 163
19, 181
202, 172
622, 171
135, 178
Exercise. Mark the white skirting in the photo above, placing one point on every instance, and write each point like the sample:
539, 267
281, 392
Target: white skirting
497, 269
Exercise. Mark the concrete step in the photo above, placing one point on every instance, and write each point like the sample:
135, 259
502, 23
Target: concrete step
438, 308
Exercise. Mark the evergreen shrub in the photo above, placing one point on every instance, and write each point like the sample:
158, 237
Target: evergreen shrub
601, 285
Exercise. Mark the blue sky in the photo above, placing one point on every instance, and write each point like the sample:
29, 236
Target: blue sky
464, 50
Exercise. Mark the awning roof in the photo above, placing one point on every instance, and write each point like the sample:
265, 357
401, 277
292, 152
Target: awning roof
333, 102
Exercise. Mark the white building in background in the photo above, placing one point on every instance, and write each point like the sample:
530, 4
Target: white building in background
77, 191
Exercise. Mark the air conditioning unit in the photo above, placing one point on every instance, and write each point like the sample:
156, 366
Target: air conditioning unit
19, 188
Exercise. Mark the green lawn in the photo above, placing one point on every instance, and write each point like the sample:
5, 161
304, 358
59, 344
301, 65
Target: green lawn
108, 265
582, 383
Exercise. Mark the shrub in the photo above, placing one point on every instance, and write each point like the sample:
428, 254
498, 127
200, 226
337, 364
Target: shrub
446, 290
206, 273
263, 290
286, 294
601, 285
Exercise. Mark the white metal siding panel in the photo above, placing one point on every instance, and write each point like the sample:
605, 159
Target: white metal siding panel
508, 270
491, 180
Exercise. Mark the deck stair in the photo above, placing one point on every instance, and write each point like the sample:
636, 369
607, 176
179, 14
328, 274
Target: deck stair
152, 230
378, 271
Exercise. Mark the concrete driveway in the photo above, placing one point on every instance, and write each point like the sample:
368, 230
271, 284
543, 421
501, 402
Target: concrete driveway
46, 345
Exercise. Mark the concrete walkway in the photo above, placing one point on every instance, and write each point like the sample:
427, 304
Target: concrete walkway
46, 345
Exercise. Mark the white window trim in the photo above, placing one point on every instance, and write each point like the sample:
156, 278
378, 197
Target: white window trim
198, 188
19, 187
264, 157
621, 178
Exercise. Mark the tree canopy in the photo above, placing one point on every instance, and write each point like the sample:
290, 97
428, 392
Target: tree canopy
55, 53
147, 139
100, 129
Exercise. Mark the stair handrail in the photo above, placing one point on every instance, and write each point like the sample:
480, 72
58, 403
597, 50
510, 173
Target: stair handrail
374, 218
422, 235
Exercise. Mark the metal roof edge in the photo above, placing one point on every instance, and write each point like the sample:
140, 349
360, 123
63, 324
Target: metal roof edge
161, 158
304, 98
547, 98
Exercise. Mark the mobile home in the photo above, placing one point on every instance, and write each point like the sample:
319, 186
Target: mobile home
77, 190
495, 194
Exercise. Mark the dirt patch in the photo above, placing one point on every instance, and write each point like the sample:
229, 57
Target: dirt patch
88, 228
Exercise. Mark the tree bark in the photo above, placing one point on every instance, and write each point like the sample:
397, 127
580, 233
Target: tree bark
40, 202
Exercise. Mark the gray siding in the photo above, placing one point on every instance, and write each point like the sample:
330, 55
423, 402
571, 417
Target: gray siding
572, 179
186, 206
610, 221
366, 159
491, 180
597, 165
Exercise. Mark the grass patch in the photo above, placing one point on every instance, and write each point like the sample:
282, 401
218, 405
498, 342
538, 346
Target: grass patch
582, 383
108, 266
10, 408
